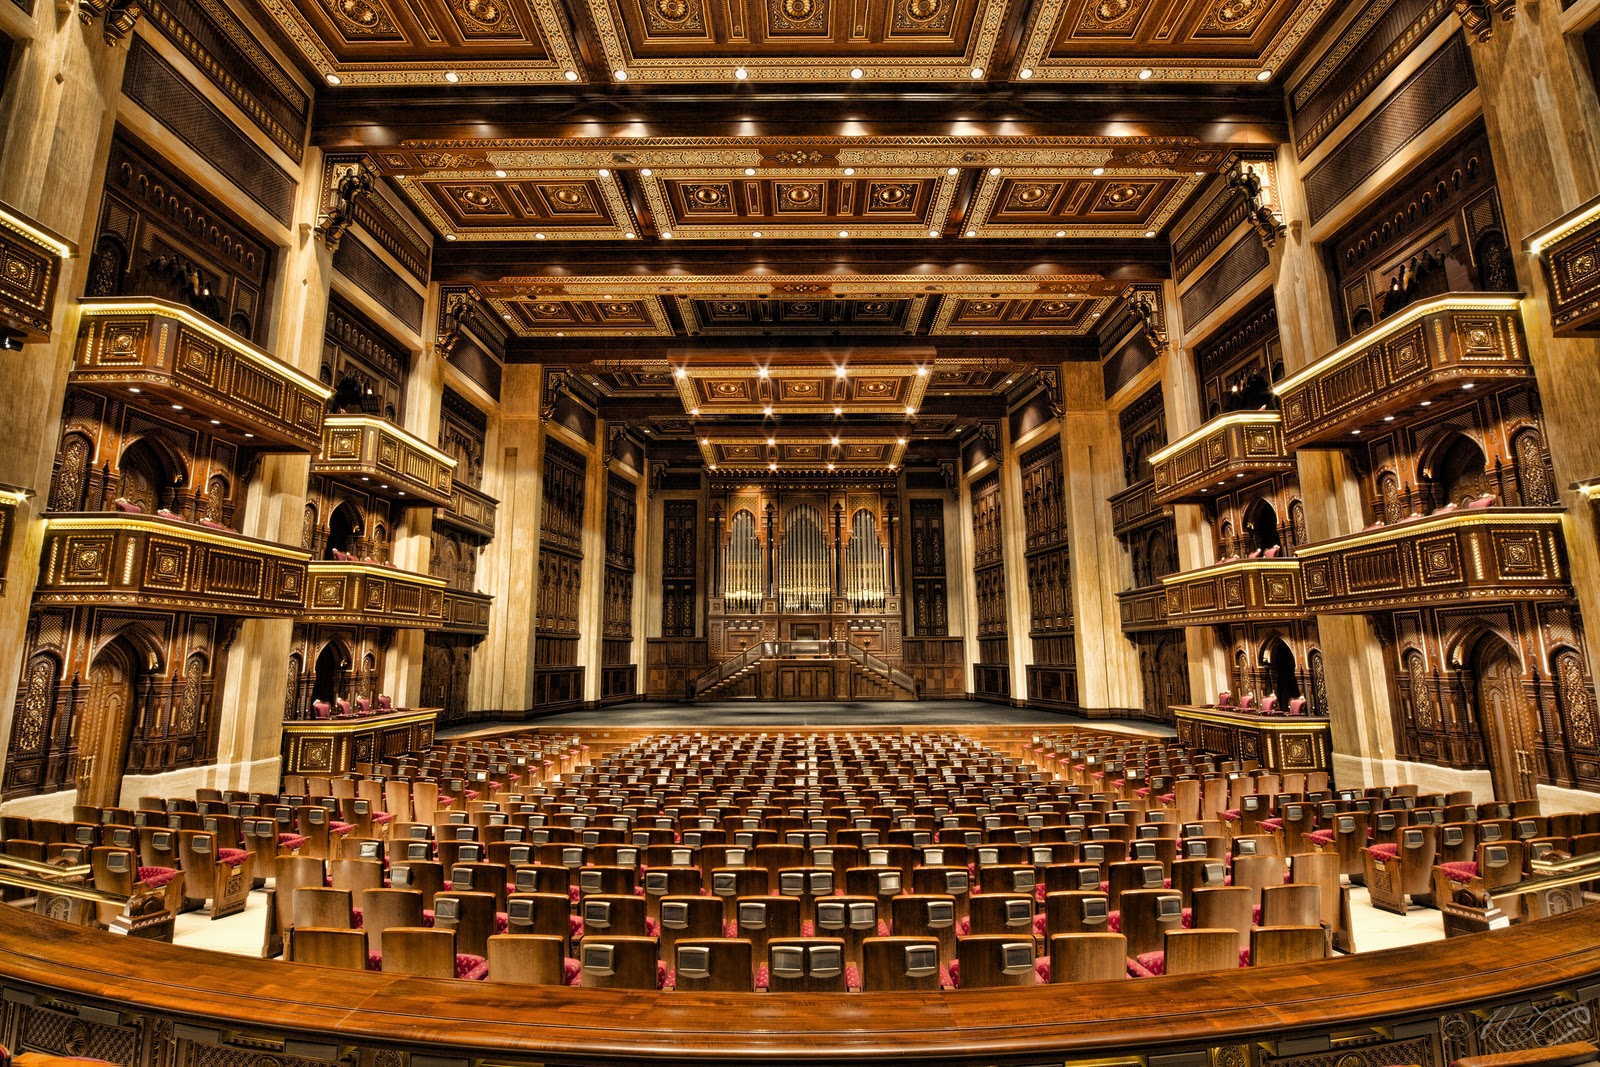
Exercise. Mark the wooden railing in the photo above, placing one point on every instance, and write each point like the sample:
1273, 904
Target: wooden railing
1569, 255
466, 613
761, 650
373, 594
1143, 609
31, 257
1240, 590
1428, 351
153, 352
1465, 556
469, 509
1136, 507
379, 457
141, 1002
147, 561
1238, 447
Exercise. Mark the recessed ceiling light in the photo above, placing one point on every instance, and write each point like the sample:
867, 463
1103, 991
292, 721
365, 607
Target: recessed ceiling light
772, 441
572, 75
933, 233
539, 236
334, 79
767, 410
772, 466
561, 333
713, 466
740, 73
1061, 233
451, 76
630, 235
694, 411
977, 72
1025, 73
705, 440
666, 236
646, 172
1264, 76
953, 171
1149, 233
1355, 433
849, 172
506, 317
216, 422
499, 174
1427, 404
844, 233
1099, 171
604, 173
1146, 74
134, 389
911, 409
830, 466
681, 373
840, 372
449, 237
837, 410
856, 72
755, 233
922, 372
249, 435
1470, 385
972, 233
620, 75
762, 372
902, 440
177, 407
835, 440
749, 172
994, 172
1388, 418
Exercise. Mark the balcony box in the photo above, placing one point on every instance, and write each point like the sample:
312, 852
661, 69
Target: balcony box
375, 455
470, 510
1569, 255
1465, 556
30, 271
146, 561
1429, 351
1240, 590
1239, 446
1135, 508
163, 356
1143, 609
466, 613
371, 594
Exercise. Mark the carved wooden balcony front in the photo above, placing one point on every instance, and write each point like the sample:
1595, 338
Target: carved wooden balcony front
11, 498
1240, 590
471, 510
1135, 508
466, 613
1404, 364
1464, 556
1143, 609
372, 594
1236, 447
146, 561
30, 270
162, 355
1569, 254
375, 455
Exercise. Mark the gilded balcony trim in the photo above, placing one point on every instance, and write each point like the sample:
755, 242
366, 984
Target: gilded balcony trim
1125, 609
451, 625
146, 357
1463, 540
364, 596
1446, 332
1230, 448
1568, 251
456, 513
1135, 496
1252, 603
357, 446
31, 257
153, 562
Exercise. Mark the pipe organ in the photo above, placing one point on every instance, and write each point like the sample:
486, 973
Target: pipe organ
797, 565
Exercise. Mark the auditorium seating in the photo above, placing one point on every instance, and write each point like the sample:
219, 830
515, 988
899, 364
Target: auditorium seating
812, 862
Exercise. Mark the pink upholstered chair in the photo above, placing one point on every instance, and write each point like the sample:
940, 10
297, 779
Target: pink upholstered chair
1297, 706
363, 706
1248, 703
1485, 501
322, 709
344, 708
385, 703
1272, 553
1269, 706
1224, 699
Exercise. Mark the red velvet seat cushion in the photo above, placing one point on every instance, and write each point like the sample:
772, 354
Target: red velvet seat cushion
1154, 962
1142, 791
1272, 824
1244, 956
1320, 837
1169, 798
447, 802
1138, 970
472, 794
374, 960
1041, 970
291, 840
357, 918
383, 818
233, 857
470, 967
953, 975
1460, 871
501, 922
341, 827
1382, 852
571, 971
574, 927
1230, 814
155, 877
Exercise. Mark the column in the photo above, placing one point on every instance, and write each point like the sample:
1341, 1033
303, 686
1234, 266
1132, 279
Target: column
591, 616
511, 566
1014, 536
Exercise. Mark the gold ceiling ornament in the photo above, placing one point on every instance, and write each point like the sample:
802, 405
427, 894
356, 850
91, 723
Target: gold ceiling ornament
616, 207
1478, 15
641, 316
1116, 198
710, 389
740, 451
867, 321
1020, 314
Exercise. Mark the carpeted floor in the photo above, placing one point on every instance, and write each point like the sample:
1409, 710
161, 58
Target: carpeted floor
799, 715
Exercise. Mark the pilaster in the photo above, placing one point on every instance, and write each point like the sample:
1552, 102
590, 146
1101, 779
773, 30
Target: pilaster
1013, 531
511, 565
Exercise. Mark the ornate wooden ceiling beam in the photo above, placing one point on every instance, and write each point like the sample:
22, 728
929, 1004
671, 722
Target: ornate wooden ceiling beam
585, 351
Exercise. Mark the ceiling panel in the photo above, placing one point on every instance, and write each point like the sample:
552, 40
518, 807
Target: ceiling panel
558, 204
803, 450
747, 388
1078, 202
724, 203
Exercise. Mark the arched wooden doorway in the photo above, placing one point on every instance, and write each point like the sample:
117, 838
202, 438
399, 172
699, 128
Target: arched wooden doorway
1281, 676
1503, 715
328, 675
103, 743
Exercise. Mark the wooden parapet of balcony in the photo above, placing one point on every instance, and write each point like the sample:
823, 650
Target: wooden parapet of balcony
469, 509
373, 594
1143, 609
1239, 590
146, 561
1237, 447
1135, 508
1569, 255
377, 456
161, 355
1430, 350
32, 258
1463, 556
466, 613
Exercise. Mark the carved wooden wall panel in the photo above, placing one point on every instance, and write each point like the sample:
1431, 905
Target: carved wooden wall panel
329, 661
1256, 665
158, 237
992, 672
364, 366
558, 680
616, 602
1242, 353
1163, 673
680, 567
1052, 674
929, 603
447, 676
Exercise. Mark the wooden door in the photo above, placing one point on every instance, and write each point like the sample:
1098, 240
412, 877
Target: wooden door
103, 743
1502, 713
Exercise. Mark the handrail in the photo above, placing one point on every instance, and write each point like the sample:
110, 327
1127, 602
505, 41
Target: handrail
777, 649
727, 668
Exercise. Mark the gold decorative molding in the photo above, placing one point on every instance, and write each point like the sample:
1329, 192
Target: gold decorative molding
982, 218
790, 451
1241, 590
708, 389
372, 594
1478, 16
618, 210
382, 458
1568, 251
1237, 447
30, 270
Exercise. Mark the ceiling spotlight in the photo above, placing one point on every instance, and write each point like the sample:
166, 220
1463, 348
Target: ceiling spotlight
1388, 418
755, 233
844, 233
837, 410
835, 440
740, 73
705, 440
713, 466
902, 440
972, 233
695, 412
840, 372
772, 442
1025, 73
449, 237
681, 374
911, 409
767, 411
645, 172
953, 171
572, 75
933, 233
772, 466
451, 76
1099, 171
506, 317
630, 235
499, 174
1146, 74
994, 172
134, 389
830, 466
1264, 76
922, 372
1149, 233
856, 72
1061, 233
749, 172
334, 79
620, 74
849, 172
216, 422
249, 435
977, 72
666, 236
538, 236
762, 372
177, 407
604, 173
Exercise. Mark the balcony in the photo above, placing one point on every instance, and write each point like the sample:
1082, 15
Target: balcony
1233, 447
1428, 351
471, 510
466, 613
30, 270
1135, 508
145, 561
1465, 556
1143, 609
1569, 254
1240, 590
11, 498
170, 358
371, 594
374, 455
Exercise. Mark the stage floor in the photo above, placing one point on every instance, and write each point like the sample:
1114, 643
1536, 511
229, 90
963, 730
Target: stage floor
789, 716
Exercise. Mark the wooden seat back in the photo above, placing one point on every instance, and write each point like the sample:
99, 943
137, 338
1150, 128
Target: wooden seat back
1199, 950
611, 962
526, 959
422, 951
990, 960
1086, 957
806, 965
1287, 944
470, 915
900, 964
329, 947
719, 964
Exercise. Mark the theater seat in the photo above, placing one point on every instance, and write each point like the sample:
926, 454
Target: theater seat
1459, 871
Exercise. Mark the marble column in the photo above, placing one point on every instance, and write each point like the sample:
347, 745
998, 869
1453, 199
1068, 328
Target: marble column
511, 565
1014, 538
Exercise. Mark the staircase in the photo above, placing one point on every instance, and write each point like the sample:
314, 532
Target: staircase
869, 677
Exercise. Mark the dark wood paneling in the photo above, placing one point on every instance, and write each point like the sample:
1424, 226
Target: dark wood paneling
362, 266
1232, 272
